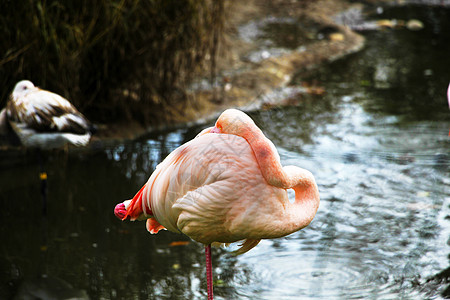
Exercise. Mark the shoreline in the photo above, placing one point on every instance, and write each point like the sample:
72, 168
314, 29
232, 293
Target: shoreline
244, 84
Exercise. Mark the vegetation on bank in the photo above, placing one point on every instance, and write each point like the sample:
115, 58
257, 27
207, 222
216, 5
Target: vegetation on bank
116, 60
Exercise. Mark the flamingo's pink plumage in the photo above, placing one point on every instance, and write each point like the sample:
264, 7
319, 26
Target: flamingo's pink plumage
224, 186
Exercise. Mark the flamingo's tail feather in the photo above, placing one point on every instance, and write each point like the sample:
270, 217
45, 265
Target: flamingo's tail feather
247, 245
219, 245
134, 209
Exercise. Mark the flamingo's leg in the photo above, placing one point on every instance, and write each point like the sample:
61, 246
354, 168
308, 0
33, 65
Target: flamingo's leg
209, 278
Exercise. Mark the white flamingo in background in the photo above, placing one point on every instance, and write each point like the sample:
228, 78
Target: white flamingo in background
43, 119
224, 186
448, 99
448, 96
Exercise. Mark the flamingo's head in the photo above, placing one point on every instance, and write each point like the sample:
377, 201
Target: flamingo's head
233, 121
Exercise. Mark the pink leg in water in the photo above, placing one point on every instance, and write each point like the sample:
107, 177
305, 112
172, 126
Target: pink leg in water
209, 279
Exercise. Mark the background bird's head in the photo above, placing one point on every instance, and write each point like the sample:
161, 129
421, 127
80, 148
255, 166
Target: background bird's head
22, 88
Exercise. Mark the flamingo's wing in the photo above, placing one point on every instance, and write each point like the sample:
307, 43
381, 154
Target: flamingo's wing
46, 111
205, 189
206, 218
133, 209
153, 226
190, 169
213, 180
245, 246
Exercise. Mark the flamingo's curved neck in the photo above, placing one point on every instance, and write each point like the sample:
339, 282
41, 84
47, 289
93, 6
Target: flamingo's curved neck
267, 158
307, 199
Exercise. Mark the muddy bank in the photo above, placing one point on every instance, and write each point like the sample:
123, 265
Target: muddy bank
245, 72
265, 44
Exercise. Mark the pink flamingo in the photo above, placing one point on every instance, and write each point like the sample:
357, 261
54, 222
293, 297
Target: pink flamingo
224, 186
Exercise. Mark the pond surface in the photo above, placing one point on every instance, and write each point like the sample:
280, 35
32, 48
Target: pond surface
376, 141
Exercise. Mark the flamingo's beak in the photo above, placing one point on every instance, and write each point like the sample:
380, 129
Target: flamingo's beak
215, 129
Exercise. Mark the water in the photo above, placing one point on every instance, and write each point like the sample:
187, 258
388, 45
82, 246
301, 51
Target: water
377, 142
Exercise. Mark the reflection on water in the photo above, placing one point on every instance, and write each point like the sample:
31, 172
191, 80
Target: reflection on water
380, 154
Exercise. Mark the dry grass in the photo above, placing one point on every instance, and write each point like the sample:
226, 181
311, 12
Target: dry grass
114, 59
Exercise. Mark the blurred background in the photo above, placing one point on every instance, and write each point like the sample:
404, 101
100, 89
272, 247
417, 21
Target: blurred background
357, 96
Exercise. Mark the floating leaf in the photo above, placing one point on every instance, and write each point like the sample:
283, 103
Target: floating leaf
219, 283
364, 83
336, 37
179, 243
423, 194
414, 25
315, 90
386, 23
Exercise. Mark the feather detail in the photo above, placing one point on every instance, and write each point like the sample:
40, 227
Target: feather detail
134, 209
220, 245
246, 246
153, 226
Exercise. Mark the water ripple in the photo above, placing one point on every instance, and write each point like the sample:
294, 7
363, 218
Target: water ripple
329, 274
